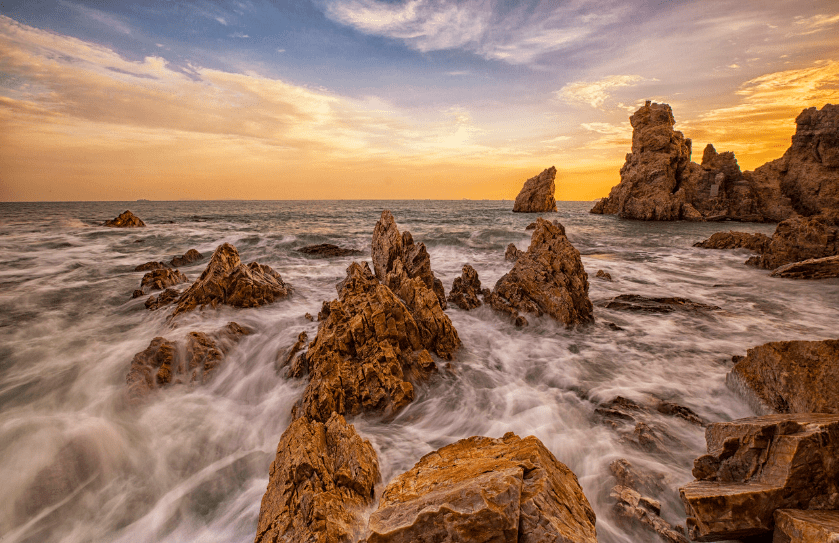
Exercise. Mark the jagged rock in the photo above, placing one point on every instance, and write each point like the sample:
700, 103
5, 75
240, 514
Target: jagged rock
188, 258
148, 266
370, 345
512, 253
635, 302
320, 483
736, 240
796, 526
481, 489
801, 238
547, 279
606, 276
757, 465
537, 194
789, 377
227, 281
126, 219
166, 362
166, 297
159, 280
633, 509
397, 258
326, 250
814, 268
639, 480
531, 226
465, 289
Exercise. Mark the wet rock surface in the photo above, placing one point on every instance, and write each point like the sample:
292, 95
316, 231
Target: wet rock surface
606, 276
126, 219
481, 489
796, 526
327, 250
758, 465
466, 289
168, 296
548, 278
736, 240
638, 423
186, 259
645, 304
537, 194
294, 360
160, 280
789, 377
815, 268
227, 281
320, 483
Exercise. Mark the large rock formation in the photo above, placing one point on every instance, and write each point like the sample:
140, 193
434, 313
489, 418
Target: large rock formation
757, 465
320, 483
126, 219
229, 282
548, 278
481, 489
537, 194
801, 238
166, 362
789, 377
465, 289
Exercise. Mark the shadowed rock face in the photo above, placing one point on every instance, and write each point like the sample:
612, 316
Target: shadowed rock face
789, 377
537, 194
481, 489
126, 219
465, 289
165, 298
548, 278
320, 482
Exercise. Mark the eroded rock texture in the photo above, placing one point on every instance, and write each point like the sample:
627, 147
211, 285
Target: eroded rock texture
537, 194
789, 377
148, 266
319, 484
229, 282
480, 489
166, 362
466, 289
801, 238
757, 465
796, 526
168, 296
548, 278
126, 219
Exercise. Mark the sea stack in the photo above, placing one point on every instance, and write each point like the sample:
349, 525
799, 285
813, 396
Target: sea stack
126, 219
537, 194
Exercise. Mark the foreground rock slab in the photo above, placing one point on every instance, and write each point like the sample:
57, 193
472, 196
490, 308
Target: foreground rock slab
126, 219
481, 489
537, 194
796, 526
789, 377
814, 268
757, 465
320, 482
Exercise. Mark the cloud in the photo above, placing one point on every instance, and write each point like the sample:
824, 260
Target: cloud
595, 93
611, 136
105, 19
816, 23
238, 35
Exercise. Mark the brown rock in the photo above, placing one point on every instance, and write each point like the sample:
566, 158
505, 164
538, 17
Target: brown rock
148, 266
537, 194
547, 279
757, 465
481, 489
159, 280
126, 219
796, 526
639, 480
634, 510
166, 297
531, 226
636, 302
321, 481
789, 377
326, 250
512, 254
227, 281
188, 258
465, 289
802, 238
309, 317
814, 268
606, 276
736, 240
166, 362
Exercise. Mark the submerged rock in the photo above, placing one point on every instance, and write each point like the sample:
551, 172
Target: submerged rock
466, 289
327, 250
320, 483
736, 240
814, 268
531, 226
126, 219
789, 377
481, 489
537, 194
634, 510
547, 279
229, 282
636, 302
606, 276
186, 259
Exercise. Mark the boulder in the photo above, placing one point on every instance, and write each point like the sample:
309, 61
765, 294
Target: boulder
165, 298
548, 278
126, 219
606, 276
466, 289
736, 240
814, 268
320, 484
159, 280
796, 526
327, 250
789, 377
758, 465
645, 304
801, 238
229, 282
512, 253
166, 362
537, 194
186, 259
481, 489
148, 266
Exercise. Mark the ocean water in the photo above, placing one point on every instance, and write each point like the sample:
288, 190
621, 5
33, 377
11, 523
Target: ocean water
78, 464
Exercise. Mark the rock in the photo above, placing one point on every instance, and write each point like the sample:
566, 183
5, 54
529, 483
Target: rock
638, 423
166, 297
159, 280
537, 194
736, 240
639, 480
796, 526
227, 281
397, 258
188, 258
606, 276
531, 226
126, 219
634, 510
814, 268
689, 213
166, 362
320, 483
150, 266
480, 489
636, 302
757, 465
296, 364
326, 250
789, 377
802, 238
512, 254
309, 317
465, 289
547, 279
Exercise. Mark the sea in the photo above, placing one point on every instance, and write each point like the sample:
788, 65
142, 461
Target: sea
80, 464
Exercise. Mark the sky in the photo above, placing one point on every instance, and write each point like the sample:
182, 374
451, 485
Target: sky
388, 99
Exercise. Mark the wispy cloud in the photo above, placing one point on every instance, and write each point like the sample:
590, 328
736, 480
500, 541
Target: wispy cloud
105, 19
595, 93
238, 35
816, 23
610, 136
